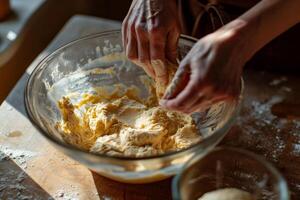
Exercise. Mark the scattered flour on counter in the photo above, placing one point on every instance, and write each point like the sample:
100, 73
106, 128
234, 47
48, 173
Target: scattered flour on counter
286, 89
278, 81
264, 129
3, 156
297, 147
67, 195
11, 185
12, 177
9, 108
297, 124
19, 156
262, 110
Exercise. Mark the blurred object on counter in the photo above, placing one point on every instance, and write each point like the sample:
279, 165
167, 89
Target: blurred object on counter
20, 46
4, 9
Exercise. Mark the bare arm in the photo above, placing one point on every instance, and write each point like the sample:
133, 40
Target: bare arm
212, 69
265, 21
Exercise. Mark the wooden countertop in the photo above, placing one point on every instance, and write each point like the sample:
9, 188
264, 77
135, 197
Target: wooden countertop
30, 168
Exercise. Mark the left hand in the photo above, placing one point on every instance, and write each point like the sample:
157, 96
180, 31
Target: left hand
150, 35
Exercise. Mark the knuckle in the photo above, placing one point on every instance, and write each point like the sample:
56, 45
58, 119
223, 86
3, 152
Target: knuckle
218, 47
139, 28
131, 26
155, 30
177, 105
194, 89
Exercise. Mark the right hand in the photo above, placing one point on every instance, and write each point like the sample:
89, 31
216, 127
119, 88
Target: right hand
209, 73
150, 35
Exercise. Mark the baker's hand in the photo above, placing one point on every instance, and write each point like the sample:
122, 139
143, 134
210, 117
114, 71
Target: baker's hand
150, 35
210, 72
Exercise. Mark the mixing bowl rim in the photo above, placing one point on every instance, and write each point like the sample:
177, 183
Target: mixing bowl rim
283, 187
30, 111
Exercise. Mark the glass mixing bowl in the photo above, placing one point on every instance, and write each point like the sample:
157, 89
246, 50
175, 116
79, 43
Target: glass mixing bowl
75, 68
226, 167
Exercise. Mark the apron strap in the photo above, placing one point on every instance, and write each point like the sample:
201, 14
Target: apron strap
198, 19
212, 18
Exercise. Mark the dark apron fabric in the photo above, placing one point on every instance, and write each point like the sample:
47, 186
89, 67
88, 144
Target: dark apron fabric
201, 17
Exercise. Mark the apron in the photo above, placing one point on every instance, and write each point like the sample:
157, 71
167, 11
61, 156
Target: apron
201, 17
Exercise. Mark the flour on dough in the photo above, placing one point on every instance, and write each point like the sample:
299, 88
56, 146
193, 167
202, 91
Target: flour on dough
122, 124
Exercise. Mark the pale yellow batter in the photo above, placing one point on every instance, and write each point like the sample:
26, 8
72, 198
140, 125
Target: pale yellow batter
119, 123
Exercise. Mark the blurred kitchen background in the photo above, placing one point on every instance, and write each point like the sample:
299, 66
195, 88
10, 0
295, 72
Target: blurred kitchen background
28, 26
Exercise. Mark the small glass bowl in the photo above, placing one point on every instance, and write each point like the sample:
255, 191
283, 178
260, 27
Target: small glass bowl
226, 167
70, 70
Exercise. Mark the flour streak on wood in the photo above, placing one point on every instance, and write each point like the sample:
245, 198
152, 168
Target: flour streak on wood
30, 168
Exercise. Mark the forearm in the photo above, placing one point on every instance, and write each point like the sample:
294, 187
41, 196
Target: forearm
264, 22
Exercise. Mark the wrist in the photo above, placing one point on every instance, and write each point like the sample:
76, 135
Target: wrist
233, 40
241, 35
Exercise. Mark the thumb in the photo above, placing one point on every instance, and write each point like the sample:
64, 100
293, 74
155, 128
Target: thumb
178, 83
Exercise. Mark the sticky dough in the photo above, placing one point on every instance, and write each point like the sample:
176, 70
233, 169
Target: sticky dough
120, 123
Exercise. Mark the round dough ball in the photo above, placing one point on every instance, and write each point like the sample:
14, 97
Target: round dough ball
227, 194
